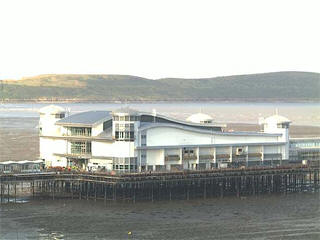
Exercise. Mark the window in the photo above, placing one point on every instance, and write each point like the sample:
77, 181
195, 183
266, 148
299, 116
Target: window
107, 124
79, 131
59, 115
124, 135
188, 151
80, 147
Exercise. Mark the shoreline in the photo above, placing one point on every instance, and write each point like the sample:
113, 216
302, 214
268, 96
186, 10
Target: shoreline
219, 100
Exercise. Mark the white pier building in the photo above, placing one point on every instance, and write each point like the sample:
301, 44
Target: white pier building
129, 140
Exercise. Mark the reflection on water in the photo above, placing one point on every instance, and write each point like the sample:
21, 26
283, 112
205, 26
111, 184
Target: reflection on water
294, 216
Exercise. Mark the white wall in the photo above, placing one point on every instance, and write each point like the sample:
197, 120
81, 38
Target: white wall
164, 136
113, 149
155, 157
222, 150
175, 151
47, 123
270, 149
96, 130
206, 151
50, 146
254, 149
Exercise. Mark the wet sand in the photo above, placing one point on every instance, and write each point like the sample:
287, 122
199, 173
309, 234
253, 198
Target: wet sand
294, 216
19, 139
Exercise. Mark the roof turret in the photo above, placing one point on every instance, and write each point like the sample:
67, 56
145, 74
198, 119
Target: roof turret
52, 109
200, 118
275, 119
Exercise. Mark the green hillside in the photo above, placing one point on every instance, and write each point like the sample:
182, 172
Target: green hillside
286, 86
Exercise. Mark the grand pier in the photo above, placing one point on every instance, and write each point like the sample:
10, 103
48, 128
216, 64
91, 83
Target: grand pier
156, 186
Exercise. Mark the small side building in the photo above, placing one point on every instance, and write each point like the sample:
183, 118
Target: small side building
304, 149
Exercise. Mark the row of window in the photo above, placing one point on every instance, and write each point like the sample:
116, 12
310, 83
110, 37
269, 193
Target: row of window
123, 161
123, 127
124, 135
124, 167
79, 131
305, 144
126, 118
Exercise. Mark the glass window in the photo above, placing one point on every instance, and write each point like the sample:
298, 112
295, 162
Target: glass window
80, 147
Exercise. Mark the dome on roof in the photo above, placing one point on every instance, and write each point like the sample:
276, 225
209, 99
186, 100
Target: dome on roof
200, 118
52, 109
276, 119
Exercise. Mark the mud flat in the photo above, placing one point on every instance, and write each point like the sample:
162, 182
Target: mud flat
19, 139
293, 216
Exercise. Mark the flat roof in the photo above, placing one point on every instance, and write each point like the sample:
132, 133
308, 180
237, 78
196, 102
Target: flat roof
85, 118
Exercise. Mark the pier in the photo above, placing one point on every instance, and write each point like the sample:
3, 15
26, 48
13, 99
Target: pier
157, 186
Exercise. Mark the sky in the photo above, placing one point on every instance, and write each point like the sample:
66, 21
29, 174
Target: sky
157, 39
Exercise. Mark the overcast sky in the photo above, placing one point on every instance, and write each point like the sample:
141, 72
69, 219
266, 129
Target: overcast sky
157, 39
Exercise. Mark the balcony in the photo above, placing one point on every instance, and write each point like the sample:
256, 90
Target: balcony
255, 155
239, 158
74, 155
206, 157
172, 158
272, 156
222, 156
189, 157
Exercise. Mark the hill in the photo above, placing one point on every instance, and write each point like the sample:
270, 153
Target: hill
283, 86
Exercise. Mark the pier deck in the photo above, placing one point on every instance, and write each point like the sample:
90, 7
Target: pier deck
160, 186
